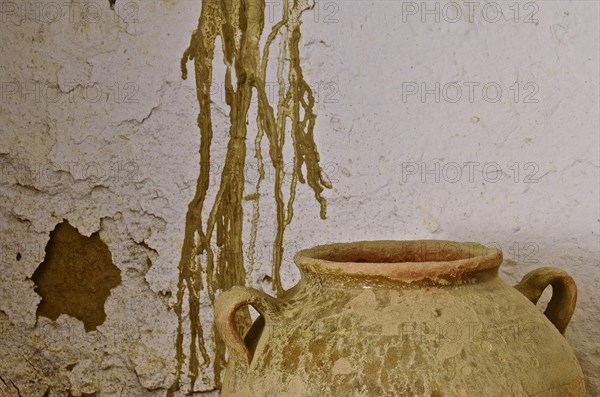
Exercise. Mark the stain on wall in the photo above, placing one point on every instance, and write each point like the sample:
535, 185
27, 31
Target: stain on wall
240, 26
75, 277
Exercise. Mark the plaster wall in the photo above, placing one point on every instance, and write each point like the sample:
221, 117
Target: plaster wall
435, 120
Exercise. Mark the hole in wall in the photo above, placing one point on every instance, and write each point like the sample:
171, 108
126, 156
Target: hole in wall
112, 4
76, 276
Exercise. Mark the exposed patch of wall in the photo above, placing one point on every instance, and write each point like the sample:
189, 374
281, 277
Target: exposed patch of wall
75, 277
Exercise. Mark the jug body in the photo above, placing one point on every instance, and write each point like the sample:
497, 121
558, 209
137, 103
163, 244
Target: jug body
409, 318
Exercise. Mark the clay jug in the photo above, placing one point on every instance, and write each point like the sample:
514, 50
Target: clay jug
403, 318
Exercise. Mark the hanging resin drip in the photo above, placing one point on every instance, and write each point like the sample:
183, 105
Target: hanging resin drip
240, 25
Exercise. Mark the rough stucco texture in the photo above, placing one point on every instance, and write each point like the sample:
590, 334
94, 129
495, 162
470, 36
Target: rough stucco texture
98, 129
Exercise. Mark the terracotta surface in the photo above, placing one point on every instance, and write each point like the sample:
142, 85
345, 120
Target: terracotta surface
403, 318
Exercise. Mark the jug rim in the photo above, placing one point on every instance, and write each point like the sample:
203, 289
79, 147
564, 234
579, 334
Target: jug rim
439, 261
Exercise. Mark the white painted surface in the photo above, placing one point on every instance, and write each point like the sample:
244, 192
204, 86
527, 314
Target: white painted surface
376, 140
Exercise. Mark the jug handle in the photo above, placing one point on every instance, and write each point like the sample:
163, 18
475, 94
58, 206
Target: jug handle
564, 293
227, 304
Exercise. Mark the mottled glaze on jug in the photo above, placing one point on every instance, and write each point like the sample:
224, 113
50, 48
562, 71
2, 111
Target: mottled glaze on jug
403, 318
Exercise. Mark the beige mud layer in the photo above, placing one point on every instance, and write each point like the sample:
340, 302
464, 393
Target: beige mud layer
399, 318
